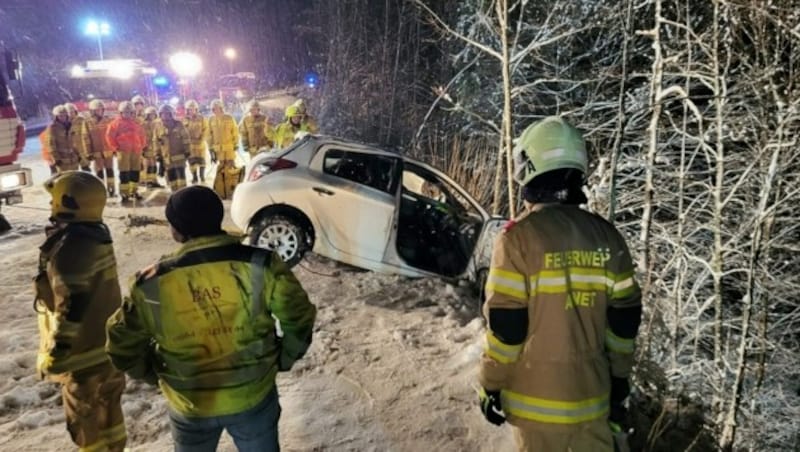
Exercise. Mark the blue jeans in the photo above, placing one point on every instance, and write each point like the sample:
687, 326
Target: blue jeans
254, 430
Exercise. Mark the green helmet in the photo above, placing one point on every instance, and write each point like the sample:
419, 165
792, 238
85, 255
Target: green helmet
548, 145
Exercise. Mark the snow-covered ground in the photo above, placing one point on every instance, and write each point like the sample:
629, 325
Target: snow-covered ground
391, 367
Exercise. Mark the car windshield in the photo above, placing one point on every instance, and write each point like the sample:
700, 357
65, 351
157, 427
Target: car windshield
425, 183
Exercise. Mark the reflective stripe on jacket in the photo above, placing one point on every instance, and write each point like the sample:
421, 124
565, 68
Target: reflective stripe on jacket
286, 131
76, 292
172, 141
255, 132
60, 143
203, 320
562, 268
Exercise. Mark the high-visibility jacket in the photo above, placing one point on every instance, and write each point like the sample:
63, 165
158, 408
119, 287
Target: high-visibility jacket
255, 132
47, 154
94, 134
563, 309
285, 133
204, 321
77, 135
171, 140
125, 135
59, 141
223, 135
77, 290
197, 127
150, 126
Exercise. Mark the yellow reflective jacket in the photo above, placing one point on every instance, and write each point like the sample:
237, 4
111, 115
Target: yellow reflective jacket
285, 133
223, 135
94, 134
197, 126
77, 290
255, 132
204, 320
556, 275
59, 138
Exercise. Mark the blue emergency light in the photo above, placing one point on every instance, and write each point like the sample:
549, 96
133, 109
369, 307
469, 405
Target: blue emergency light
161, 81
311, 80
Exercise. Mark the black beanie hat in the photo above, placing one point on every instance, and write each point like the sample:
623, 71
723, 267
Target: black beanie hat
195, 211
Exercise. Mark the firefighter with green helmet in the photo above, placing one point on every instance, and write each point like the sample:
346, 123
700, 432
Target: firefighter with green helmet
255, 130
562, 305
94, 138
77, 290
173, 144
214, 345
291, 127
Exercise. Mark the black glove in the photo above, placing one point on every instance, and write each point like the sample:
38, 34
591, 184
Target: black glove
213, 154
620, 388
491, 407
90, 157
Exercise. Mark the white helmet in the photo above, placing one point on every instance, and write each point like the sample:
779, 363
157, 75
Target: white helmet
191, 103
71, 108
138, 99
60, 109
126, 107
96, 104
216, 103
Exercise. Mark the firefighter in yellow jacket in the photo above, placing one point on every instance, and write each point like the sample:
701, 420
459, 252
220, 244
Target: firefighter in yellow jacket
197, 126
60, 140
77, 135
172, 143
76, 292
150, 155
213, 323
255, 130
562, 305
223, 135
287, 131
95, 143
309, 121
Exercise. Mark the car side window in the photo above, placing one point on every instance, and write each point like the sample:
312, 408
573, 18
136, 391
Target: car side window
376, 171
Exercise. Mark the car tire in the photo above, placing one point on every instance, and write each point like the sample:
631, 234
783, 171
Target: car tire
283, 235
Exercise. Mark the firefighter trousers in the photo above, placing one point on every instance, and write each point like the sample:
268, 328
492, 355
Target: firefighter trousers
592, 436
92, 408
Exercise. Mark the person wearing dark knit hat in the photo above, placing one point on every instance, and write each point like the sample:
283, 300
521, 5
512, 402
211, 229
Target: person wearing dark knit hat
193, 212
213, 323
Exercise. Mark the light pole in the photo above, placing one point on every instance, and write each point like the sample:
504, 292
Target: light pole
230, 54
98, 29
186, 65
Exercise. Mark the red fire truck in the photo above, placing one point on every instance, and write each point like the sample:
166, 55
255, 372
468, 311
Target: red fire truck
112, 81
13, 177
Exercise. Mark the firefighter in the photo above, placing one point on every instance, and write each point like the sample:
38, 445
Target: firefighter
287, 131
562, 305
308, 120
223, 138
77, 290
76, 135
150, 155
213, 323
126, 138
47, 153
60, 141
197, 126
173, 144
255, 130
139, 105
95, 144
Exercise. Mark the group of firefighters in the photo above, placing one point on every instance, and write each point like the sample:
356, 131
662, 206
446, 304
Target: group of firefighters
149, 142
214, 322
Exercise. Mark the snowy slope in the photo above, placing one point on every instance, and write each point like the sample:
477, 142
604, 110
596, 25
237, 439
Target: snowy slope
391, 367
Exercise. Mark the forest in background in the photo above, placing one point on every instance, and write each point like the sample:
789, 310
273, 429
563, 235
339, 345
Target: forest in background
690, 110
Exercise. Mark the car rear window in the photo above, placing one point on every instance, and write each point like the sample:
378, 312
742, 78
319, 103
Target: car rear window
376, 171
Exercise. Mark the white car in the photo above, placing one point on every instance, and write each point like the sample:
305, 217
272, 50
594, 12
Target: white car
364, 206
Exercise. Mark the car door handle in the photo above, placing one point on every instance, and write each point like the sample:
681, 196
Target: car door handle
322, 191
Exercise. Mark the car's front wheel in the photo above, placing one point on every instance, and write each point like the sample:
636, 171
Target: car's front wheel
282, 235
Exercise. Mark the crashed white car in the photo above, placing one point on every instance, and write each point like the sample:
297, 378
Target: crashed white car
364, 206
